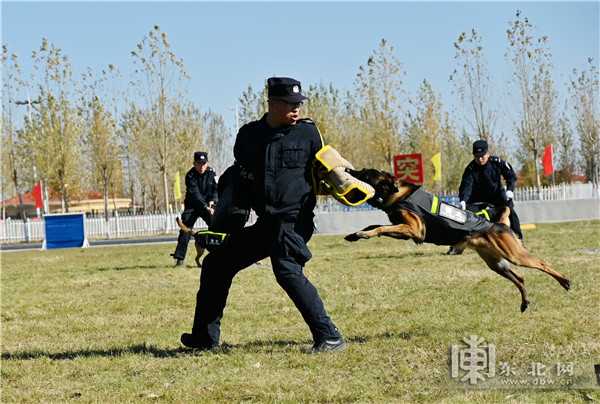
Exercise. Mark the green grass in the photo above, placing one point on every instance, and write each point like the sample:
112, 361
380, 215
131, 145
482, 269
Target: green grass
102, 324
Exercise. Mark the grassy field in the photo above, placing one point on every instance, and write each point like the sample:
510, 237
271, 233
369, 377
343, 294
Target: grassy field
102, 324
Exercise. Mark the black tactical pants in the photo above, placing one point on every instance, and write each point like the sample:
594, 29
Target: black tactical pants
515, 223
189, 217
285, 244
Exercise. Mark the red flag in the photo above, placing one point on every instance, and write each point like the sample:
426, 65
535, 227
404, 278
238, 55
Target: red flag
37, 195
547, 160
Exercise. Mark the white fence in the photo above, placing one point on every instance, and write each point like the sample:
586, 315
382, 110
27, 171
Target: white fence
131, 226
559, 192
14, 231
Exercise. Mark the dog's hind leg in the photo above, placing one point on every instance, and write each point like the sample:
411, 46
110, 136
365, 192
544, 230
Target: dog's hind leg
513, 251
504, 217
199, 253
502, 267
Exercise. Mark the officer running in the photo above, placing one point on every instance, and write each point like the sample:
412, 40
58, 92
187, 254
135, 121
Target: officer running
277, 152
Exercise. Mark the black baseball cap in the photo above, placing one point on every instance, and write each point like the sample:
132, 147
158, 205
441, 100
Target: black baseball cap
201, 157
480, 148
286, 89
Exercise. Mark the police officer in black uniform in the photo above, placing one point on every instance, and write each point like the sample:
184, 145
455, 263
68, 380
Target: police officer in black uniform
482, 182
200, 198
276, 152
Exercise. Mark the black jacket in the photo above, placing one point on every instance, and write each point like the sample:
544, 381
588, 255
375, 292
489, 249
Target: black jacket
200, 188
279, 160
445, 224
484, 183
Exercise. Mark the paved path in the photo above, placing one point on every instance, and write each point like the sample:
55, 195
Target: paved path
95, 243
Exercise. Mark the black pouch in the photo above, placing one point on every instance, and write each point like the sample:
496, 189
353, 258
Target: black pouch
209, 240
295, 246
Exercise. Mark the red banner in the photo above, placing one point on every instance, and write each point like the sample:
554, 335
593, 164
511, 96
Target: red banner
547, 160
37, 195
409, 167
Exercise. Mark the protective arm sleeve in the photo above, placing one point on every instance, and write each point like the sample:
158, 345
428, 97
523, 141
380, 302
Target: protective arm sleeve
330, 178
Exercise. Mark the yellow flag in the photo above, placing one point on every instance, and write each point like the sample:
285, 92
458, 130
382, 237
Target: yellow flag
437, 164
177, 189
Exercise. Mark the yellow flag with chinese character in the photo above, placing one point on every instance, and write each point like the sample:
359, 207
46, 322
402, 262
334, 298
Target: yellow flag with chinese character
437, 164
177, 188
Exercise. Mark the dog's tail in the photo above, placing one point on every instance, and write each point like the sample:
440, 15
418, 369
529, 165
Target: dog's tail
184, 227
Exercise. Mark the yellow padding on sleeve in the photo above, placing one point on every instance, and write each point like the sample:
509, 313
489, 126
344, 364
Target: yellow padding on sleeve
330, 159
330, 178
347, 189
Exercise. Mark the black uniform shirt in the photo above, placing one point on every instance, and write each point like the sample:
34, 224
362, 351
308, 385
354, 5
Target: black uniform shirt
200, 188
280, 162
484, 184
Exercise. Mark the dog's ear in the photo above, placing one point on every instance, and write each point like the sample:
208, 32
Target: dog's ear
406, 188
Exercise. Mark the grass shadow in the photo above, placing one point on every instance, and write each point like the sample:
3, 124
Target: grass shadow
138, 349
145, 349
125, 268
412, 254
361, 339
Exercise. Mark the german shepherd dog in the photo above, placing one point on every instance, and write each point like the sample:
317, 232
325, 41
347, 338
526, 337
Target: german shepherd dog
232, 211
495, 243
200, 241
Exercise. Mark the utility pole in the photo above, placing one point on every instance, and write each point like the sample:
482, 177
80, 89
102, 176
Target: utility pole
237, 122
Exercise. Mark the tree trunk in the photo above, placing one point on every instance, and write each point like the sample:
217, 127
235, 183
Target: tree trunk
166, 186
105, 186
21, 206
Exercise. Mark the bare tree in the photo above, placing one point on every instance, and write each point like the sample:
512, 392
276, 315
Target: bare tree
13, 149
138, 144
161, 79
55, 133
564, 150
101, 135
536, 119
219, 141
253, 104
379, 91
430, 131
472, 81
585, 98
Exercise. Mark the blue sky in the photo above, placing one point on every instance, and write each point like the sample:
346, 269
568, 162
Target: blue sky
228, 45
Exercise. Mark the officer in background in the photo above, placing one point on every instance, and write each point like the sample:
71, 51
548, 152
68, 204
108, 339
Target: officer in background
277, 152
200, 198
482, 182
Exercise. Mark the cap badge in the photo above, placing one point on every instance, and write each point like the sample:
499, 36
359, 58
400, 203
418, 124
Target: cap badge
296, 89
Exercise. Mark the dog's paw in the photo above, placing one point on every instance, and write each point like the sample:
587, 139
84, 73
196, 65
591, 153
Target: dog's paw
355, 236
352, 237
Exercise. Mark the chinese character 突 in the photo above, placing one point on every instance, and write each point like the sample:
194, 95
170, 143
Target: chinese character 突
409, 167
